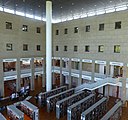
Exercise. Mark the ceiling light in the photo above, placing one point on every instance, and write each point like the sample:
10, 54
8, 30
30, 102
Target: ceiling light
94, 5
110, 1
72, 3
61, 7
38, 5
16, 5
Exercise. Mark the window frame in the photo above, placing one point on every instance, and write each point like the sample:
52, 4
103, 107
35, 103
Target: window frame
100, 48
9, 25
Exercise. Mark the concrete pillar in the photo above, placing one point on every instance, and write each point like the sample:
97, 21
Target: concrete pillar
1, 78
112, 70
44, 74
80, 73
48, 45
93, 70
101, 68
69, 77
125, 76
32, 81
107, 69
61, 80
18, 70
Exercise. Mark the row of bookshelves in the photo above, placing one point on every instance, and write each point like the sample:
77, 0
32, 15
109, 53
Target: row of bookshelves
42, 97
51, 101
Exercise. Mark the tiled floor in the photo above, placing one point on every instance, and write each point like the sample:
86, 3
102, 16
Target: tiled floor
51, 116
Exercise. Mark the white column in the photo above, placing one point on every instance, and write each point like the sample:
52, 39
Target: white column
80, 73
32, 81
69, 77
125, 76
48, 45
107, 69
18, 81
1, 78
112, 70
93, 70
61, 80
44, 74
101, 68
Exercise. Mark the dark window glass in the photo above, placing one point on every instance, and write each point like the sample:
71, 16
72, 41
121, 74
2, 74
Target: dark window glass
57, 32
65, 31
101, 27
101, 48
25, 47
25, 28
65, 48
118, 25
9, 47
116, 48
87, 48
75, 48
57, 48
38, 47
75, 29
38, 30
8, 25
88, 28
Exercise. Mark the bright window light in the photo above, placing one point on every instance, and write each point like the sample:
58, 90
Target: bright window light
83, 15
8, 10
29, 15
20, 13
119, 8
1, 9
100, 12
76, 17
109, 10
91, 13
37, 18
70, 18
44, 19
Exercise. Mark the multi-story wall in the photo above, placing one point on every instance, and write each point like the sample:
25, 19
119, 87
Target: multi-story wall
109, 37
102, 38
20, 37
17, 37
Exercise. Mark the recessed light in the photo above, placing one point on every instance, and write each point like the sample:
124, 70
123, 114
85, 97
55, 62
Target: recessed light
16, 5
72, 3
94, 5
61, 7
38, 5
30, 9
110, 1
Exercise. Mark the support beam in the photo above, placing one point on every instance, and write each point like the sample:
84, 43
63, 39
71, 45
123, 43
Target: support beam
32, 74
1, 78
93, 70
18, 81
48, 45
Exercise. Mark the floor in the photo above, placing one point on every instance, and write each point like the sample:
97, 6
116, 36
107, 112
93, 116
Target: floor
51, 116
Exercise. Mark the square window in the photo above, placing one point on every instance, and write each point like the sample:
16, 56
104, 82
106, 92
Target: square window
75, 29
101, 48
25, 28
38, 47
118, 25
38, 30
75, 48
87, 48
57, 32
57, 48
65, 48
88, 28
8, 25
101, 27
25, 47
9, 47
65, 31
116, 48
